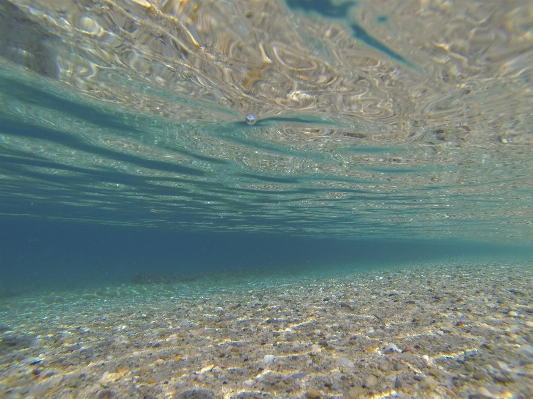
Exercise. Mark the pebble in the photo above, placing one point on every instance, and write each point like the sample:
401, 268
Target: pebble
313, 394
269, 359
296, 376
479, 376
370, 381
355, 392
384, 366
344, 362
527, 350
529, 324
484, 392
504, 366
428, 383
110, 377
87, 352
513, 313
503, 379
345, 305
391, 348
107, 394
30, 361
73, 347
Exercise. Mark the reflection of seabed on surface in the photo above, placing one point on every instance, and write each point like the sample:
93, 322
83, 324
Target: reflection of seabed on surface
148, 119
342, 12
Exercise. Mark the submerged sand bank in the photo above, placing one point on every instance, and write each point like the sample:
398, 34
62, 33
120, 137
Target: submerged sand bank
446, 330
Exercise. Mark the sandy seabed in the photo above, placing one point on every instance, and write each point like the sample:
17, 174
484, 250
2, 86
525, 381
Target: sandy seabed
457, 329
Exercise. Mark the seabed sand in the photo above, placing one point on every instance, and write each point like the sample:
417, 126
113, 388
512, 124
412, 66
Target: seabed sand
443, 330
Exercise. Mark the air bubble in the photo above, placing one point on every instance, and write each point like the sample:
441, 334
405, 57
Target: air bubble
251, 119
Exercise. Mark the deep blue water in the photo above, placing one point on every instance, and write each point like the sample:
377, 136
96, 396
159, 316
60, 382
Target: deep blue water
37, 255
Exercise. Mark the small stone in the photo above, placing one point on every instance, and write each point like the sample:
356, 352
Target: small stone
503, 379
504, 366
384, 366
73, 347
479, 376
313, 394
428, 383
105, 394
345, 305
448, 326
109, 377
355, 392
344, 362
370, 381
527, 350
87, 352
268, 359
207, 369
298, 375
30, 361
5, 327
512, 313
391, 348
529, 324
484, 392
407, 357
398, 366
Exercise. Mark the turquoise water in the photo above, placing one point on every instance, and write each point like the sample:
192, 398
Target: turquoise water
402, 125
266, 199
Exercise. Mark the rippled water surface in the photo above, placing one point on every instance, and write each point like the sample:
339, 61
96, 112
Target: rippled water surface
388, 119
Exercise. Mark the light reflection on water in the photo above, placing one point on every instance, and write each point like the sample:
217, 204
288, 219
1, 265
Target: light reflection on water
375, 118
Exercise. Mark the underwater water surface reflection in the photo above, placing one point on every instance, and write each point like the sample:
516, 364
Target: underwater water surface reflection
369, 119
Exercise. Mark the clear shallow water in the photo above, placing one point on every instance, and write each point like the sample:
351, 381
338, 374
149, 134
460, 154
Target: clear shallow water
397, 122
39, 256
